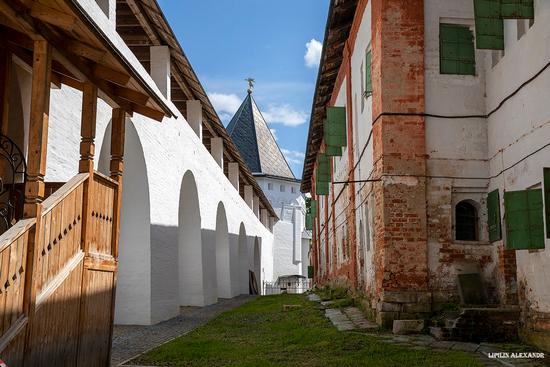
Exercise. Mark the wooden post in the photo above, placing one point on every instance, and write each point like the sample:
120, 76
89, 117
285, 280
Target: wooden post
36, 170
5, 74
87, 128
87, 149
117, 168
38, 129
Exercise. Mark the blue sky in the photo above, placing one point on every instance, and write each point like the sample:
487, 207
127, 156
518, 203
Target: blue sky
271, 41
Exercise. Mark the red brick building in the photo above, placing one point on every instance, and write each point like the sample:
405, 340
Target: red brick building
407, 165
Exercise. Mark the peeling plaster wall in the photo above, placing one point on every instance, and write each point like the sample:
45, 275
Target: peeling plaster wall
363, 155
455, 148
520, 127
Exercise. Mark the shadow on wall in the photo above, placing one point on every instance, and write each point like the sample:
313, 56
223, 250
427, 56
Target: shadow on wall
166, 287
133, 292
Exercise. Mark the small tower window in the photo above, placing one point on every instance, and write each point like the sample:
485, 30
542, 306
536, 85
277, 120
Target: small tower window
466, 221
269, 186
282, 188
293, 189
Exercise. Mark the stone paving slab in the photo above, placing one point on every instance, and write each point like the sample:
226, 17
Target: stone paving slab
338, 319
129, 341
313, 297
358, 319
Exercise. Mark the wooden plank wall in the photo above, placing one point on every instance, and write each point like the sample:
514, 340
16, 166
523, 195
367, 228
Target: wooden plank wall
70, 320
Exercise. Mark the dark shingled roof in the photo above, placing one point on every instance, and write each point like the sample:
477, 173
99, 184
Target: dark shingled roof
256, 143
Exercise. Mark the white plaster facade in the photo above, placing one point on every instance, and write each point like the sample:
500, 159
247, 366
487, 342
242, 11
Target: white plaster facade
187, 237
291, 241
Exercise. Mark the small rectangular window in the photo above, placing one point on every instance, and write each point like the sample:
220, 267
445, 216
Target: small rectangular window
270, 186
456, 50
293, 189
282, 188
524, 219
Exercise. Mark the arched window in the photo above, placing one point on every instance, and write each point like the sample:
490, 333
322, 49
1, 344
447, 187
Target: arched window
466, 221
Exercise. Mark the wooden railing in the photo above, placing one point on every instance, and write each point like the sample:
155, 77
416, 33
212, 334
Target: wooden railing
49, 287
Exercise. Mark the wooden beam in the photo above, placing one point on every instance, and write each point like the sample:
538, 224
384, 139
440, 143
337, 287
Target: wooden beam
38, 127
148, 112
52, 16
88, 128
141, 16
106, 73
84, 50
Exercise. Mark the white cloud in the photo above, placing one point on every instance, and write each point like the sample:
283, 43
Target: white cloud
274, 133
225, 104
313, 53
284, 114
294, 156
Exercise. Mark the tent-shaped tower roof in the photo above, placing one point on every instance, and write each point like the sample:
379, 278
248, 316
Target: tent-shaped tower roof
256, 143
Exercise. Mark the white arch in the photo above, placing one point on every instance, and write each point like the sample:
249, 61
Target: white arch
243, 260
133, 292
196, 287
223, 254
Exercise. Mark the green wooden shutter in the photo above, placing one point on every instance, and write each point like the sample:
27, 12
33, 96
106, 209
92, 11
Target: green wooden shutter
524, 219
323, 174
309, 221
489, 24
368, 73
335, 127
313, 208
547, 199
493, 210
333, 151
310, 271
456, 50
517, 9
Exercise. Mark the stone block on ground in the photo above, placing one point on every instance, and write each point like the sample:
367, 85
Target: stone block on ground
313, 297
402, 327
385, 319
399, 296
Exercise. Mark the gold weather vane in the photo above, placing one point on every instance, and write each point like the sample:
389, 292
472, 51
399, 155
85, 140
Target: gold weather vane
250, 84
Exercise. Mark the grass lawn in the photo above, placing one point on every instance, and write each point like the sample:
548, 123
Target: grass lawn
260, 333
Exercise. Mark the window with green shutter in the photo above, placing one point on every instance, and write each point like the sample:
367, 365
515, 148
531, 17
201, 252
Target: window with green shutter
368, 74
323, 174
456, 50
493, 213
309, 222
517, 9
333, 151
335, 127
547, 199
489, 24
310, 271
524, 219
321, 188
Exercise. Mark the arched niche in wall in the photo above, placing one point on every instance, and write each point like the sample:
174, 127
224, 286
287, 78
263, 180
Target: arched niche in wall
243, 260
191, 257
256, 262
223, 254
133, 292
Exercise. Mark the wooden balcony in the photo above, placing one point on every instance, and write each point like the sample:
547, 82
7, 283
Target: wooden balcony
57, 275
